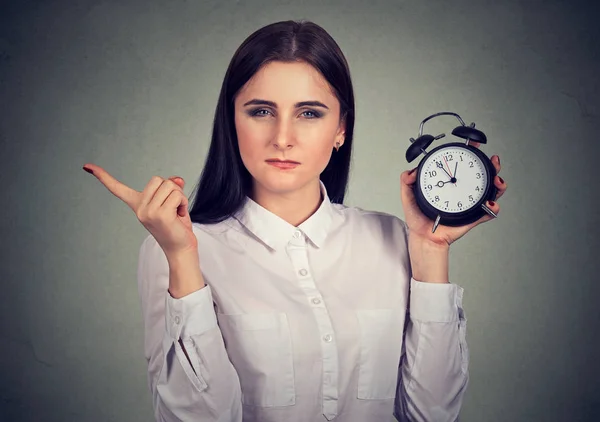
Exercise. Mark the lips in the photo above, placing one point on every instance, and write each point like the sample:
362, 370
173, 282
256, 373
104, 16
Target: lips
283, 164
277, 160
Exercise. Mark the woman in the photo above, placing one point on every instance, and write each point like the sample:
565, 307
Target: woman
271, 300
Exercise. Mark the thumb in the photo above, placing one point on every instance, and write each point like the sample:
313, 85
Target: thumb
182, 210
407, 182
409, 177
178, 180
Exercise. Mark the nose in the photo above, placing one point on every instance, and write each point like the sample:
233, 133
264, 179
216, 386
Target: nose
284, 137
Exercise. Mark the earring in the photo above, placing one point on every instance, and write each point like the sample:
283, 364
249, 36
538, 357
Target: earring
337, 146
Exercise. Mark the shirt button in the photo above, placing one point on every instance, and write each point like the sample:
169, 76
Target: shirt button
316, 300
327, 338
177, 319
297, 234
303, 272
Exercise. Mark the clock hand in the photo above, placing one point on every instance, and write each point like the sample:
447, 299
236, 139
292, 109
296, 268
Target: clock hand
444, 157
442, 167
455, 168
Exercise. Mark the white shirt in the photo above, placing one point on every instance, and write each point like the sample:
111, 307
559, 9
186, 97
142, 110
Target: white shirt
303, 324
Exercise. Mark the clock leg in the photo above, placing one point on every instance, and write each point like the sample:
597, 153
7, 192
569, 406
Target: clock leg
437, 221
489, 211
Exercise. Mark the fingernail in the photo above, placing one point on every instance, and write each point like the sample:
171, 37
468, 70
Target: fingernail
88, 170
492, 203
411, 172
501, 180
498, 159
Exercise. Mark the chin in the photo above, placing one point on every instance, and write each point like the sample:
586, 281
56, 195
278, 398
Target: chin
280, 186
282, 183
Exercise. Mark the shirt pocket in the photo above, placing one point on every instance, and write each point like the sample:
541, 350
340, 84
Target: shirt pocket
260, 348
380, 348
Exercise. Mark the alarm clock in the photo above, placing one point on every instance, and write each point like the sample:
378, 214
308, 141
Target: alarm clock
454, 180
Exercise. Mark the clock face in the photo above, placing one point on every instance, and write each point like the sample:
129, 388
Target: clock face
438, 172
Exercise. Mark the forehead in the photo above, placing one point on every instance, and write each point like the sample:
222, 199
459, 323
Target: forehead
287, 82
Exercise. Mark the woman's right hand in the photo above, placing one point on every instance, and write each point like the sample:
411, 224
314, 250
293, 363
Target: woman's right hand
161, 208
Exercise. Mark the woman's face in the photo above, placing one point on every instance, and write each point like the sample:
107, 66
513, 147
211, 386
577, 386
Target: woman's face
272, 123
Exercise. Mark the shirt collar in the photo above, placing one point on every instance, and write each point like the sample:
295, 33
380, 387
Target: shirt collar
276, 232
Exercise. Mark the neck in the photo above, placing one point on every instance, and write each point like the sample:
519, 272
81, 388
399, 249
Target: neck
294, 207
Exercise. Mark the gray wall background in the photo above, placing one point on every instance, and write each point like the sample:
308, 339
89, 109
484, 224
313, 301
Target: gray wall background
132, 86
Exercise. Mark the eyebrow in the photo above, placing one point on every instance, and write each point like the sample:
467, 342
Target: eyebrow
257, 101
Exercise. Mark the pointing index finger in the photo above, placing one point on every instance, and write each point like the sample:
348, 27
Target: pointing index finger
123, 192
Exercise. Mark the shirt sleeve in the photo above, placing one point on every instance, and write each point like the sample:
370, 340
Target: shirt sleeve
434, 364
206, 387
433, 373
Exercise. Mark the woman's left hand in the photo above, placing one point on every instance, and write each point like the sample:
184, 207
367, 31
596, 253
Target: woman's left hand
420, 225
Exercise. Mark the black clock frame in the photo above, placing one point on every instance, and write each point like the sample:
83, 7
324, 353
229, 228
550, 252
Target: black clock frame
464, 217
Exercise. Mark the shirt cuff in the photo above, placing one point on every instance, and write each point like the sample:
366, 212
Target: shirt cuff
191, 314
435, 302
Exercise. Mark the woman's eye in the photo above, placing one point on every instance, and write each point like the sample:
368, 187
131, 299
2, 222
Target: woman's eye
314, 114
257, 112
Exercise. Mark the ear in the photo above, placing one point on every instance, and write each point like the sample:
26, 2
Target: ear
341, 132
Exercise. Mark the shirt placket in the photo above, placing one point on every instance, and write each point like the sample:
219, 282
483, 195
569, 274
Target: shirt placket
297, 251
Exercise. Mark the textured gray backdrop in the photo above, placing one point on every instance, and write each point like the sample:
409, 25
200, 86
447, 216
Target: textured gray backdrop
132, 86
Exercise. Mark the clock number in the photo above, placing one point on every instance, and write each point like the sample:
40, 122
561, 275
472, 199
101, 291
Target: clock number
470, 163
460, 156
478, 175
432, 173
446, 203
459, 204
429, 187
450, 158
437, 198
477, 188
471, 198
439, 164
